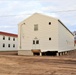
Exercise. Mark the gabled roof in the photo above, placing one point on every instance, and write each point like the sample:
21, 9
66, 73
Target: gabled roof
8, 34
65, 27
49, 17
37, 14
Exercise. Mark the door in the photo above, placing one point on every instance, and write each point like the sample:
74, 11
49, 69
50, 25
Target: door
36, 44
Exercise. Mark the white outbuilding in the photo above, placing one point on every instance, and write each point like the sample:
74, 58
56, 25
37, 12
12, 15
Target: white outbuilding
44, 35
8, 41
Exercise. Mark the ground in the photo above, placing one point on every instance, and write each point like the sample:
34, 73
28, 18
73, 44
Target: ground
37, 65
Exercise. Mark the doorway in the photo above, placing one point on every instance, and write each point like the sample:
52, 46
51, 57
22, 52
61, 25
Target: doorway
36, 43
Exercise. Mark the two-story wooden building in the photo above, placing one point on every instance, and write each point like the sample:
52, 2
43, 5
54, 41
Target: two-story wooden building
8, 42
44, 35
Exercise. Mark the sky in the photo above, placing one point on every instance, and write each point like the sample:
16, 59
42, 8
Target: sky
12, 12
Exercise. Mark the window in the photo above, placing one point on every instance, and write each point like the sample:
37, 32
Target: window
36, 27
8, 45
3, 37
50, 38
33, 41
23, 23
13, 45
8, 38
3, 45
49, 23
37, 41
13, 39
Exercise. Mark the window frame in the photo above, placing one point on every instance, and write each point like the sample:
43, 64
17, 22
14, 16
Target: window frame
14, 39
3, 37
49, 23
37, 41
33, 42
8, 38
49, 38
9, 45
35, 27
13, 45
3, 45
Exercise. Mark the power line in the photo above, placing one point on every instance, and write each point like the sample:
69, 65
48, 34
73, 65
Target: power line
13, 15
65, 11
30, 13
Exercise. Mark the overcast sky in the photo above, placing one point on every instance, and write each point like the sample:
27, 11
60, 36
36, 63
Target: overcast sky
14, 11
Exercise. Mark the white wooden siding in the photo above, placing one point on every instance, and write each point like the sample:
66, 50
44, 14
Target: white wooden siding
66, 39
58, 33
6, 42
44, 32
